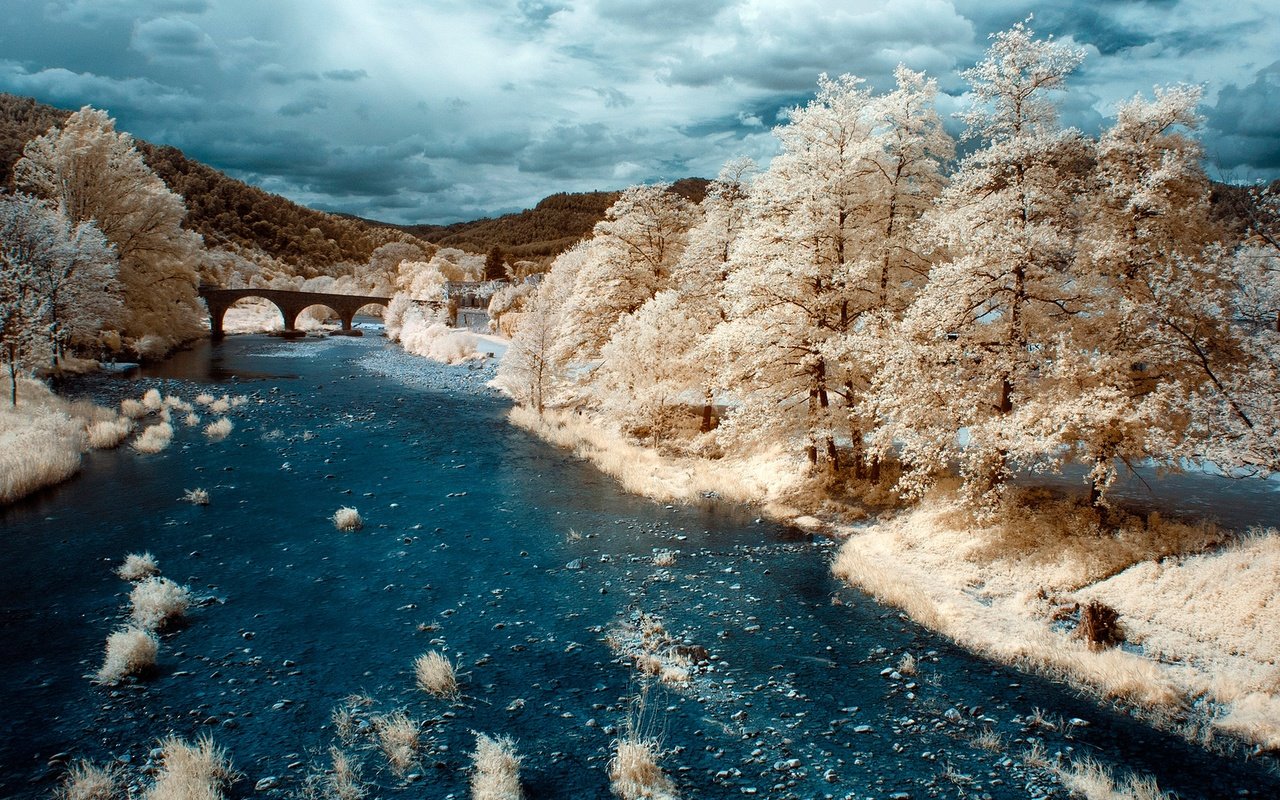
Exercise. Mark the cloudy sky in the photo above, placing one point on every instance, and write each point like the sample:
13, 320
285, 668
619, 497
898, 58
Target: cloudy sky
440, 110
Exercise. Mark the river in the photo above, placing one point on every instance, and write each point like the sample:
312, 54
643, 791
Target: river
516, 560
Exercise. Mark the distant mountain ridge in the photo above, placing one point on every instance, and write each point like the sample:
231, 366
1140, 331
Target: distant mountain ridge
547, 229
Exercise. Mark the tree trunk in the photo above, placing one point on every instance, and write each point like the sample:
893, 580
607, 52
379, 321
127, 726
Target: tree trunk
707, 413
13, 379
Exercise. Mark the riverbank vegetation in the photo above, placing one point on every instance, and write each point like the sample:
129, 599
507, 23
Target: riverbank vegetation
898, 328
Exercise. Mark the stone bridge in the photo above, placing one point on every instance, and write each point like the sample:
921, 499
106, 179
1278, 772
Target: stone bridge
290, 303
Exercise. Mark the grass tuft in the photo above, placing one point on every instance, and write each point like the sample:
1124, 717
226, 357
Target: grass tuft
199, 497
86, 781
154, 439
158, 602
436, 674
137, 566
108, 433
398, 737
130, 651
495, 769
218, 430
1089, 779
198, 771
347, 519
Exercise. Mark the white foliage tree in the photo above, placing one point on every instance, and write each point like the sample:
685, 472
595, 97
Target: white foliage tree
975, 339
60, 280
94, 173
789, 293
631, 256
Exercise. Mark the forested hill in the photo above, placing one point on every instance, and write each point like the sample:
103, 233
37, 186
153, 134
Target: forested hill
223, 210
547, 229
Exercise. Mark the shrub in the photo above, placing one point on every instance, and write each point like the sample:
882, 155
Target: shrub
137, 566
130, 651
218, 429
85, 781
435, 674
106, 434
220, 406
154, 439
199, 497
152, 400
158, 602
132, 409
191, 420
197, 771
398, 738
1100, 625
204, 399
495, 771
347, 519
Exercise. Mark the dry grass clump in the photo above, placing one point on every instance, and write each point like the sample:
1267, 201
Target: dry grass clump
133, 409
86, 781
108, 433
907, 664
988, 740
38, 447
1092, 781
495, 769
199, 497
198, 771
220, 406
154, 439
634, 772
158, 602
137, 566
130, 651
398, 737
191, 420
347, 519
204, 399
219, 429
664, 558
435, 674
152, 400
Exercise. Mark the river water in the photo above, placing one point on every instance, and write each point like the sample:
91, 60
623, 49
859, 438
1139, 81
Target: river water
516, 560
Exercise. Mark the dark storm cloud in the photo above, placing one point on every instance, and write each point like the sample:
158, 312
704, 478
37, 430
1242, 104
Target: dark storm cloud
572, 150
167, 38
427, 110
347, 75
1245, 126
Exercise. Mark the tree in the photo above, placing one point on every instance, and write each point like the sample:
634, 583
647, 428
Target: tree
68, 271
30, 238
495, 265
93, 173
1157, 322
788, 292
629, 260
975, 339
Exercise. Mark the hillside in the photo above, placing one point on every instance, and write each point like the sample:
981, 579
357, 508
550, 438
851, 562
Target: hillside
547, 229
223, 210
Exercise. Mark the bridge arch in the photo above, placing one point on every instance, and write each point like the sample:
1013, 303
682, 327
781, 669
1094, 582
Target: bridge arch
290, 303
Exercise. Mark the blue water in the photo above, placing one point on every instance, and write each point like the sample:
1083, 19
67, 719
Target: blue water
466, 549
